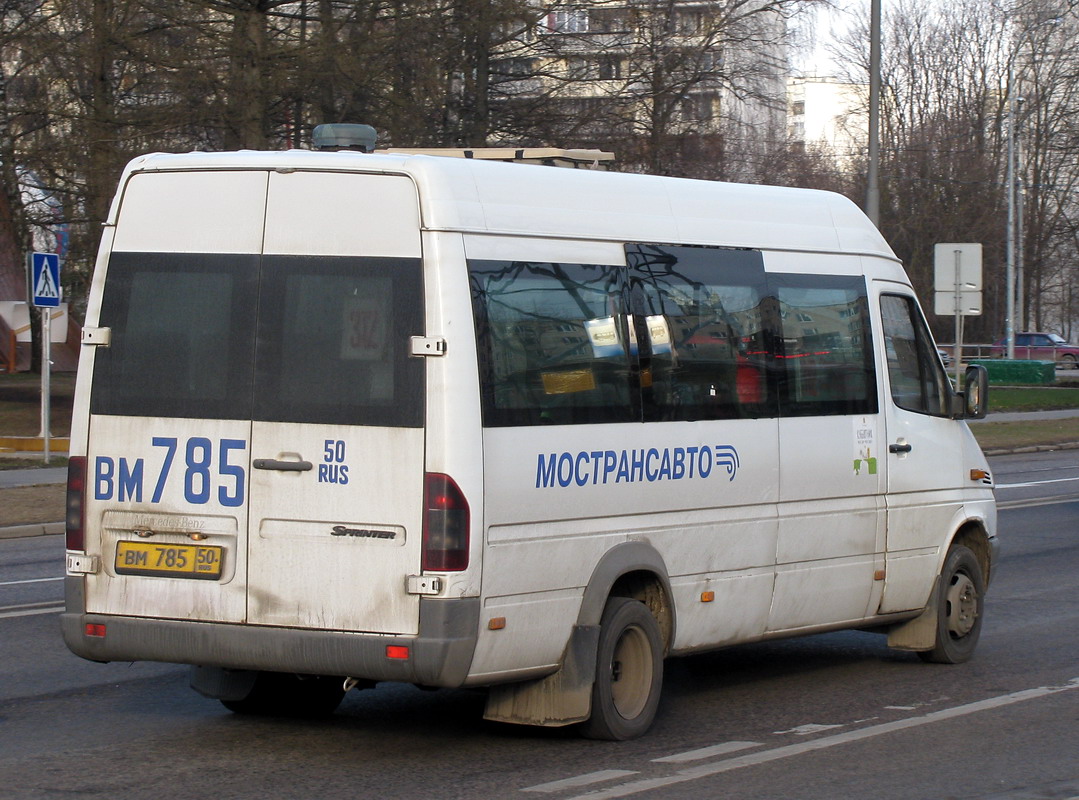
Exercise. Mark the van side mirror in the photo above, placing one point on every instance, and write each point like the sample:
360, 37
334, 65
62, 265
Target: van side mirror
975, 395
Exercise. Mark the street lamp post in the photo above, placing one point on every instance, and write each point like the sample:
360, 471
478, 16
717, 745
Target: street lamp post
1009, 268
872, 194
1013, 266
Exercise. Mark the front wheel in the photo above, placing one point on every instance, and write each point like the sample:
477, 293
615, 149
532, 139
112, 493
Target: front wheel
960, 601
1068, 361
629, 672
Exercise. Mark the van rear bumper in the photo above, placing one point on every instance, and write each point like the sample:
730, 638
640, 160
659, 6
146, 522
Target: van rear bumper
439, 656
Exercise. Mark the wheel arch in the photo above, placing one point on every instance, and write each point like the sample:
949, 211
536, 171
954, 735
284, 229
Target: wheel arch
632, 569
973, 535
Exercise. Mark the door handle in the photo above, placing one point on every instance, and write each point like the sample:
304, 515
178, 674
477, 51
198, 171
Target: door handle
283, 466
899, 448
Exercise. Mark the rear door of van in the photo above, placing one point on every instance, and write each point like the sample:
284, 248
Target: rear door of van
256, 441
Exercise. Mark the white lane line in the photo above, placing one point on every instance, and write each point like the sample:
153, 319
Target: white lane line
30, 580
581, 780
805, 730
29, 610
1034, 483
764, 756
706, 752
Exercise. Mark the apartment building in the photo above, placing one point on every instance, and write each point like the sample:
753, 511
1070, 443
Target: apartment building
633, 67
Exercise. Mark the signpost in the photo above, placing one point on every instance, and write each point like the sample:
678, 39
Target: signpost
957, 281
43, 276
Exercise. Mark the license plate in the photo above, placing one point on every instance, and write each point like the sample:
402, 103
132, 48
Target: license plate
198, 561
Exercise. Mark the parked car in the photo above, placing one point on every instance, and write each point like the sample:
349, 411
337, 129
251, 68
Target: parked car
1041, 347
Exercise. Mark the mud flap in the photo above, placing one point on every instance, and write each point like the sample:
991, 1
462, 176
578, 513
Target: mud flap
562, 698
919, 633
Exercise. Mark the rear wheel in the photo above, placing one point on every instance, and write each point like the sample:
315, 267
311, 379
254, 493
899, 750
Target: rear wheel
286, 695
629, 672
960, 602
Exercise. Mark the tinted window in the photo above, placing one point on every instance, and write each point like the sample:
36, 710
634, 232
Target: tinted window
699, 315
914, 371
825, 350
333, 341
553, 344
182, 336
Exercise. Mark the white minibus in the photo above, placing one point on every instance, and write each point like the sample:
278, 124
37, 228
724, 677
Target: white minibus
344, 418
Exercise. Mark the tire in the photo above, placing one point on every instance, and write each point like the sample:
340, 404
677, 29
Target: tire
960, 604
629, 672
1068, 361
285, 695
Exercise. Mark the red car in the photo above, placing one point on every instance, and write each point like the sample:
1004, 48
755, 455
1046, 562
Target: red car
1041, 347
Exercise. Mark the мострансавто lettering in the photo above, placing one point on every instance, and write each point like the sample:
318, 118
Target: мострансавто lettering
643, 465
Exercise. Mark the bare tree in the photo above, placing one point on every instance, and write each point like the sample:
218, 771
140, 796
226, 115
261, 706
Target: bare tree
670, 85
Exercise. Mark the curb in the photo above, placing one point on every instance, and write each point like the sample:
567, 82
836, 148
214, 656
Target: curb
35, 529
1038, 448
34, 444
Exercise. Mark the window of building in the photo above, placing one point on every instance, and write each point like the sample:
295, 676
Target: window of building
568, 20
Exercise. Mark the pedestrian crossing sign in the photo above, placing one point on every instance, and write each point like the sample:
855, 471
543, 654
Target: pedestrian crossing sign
45, 280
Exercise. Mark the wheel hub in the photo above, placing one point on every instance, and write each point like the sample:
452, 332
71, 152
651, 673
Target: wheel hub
631, 672
962, 606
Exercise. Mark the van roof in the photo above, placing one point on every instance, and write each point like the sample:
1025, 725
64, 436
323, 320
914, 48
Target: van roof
470, 195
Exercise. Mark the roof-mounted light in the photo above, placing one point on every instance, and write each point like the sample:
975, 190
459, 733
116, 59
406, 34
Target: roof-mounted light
344, 136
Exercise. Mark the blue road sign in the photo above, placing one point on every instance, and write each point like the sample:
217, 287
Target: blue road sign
45, 280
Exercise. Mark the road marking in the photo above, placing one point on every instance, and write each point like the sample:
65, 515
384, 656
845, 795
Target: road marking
581, 780
765, 756
1034, 483
707, 752
805, 730
30, 609
29, 580
1036, 501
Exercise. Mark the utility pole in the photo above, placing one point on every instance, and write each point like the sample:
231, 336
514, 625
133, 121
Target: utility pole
872, 195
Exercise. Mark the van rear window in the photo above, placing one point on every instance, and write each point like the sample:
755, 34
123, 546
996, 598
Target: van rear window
276, 338
183, 334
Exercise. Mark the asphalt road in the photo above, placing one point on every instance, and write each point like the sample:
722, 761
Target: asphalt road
830, 716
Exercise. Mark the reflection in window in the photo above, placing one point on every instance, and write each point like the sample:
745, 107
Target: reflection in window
698, 320
333, 336
826, 355
914, 371
553, 347
182, 336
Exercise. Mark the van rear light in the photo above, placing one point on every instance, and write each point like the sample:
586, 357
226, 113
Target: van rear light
445, 525
75, 522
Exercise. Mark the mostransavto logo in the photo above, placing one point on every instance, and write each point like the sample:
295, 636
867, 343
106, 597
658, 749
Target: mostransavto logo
643, 465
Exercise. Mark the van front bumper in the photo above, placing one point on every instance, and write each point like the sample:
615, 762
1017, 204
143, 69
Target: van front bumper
440, 655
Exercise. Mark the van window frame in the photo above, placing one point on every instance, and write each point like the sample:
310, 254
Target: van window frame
763, 387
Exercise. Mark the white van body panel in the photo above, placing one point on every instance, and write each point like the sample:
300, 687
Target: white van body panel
748, 525
182, 212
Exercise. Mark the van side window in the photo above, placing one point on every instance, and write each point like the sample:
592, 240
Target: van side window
914, 371
825, 347
183, 330
553, 345
699, 324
